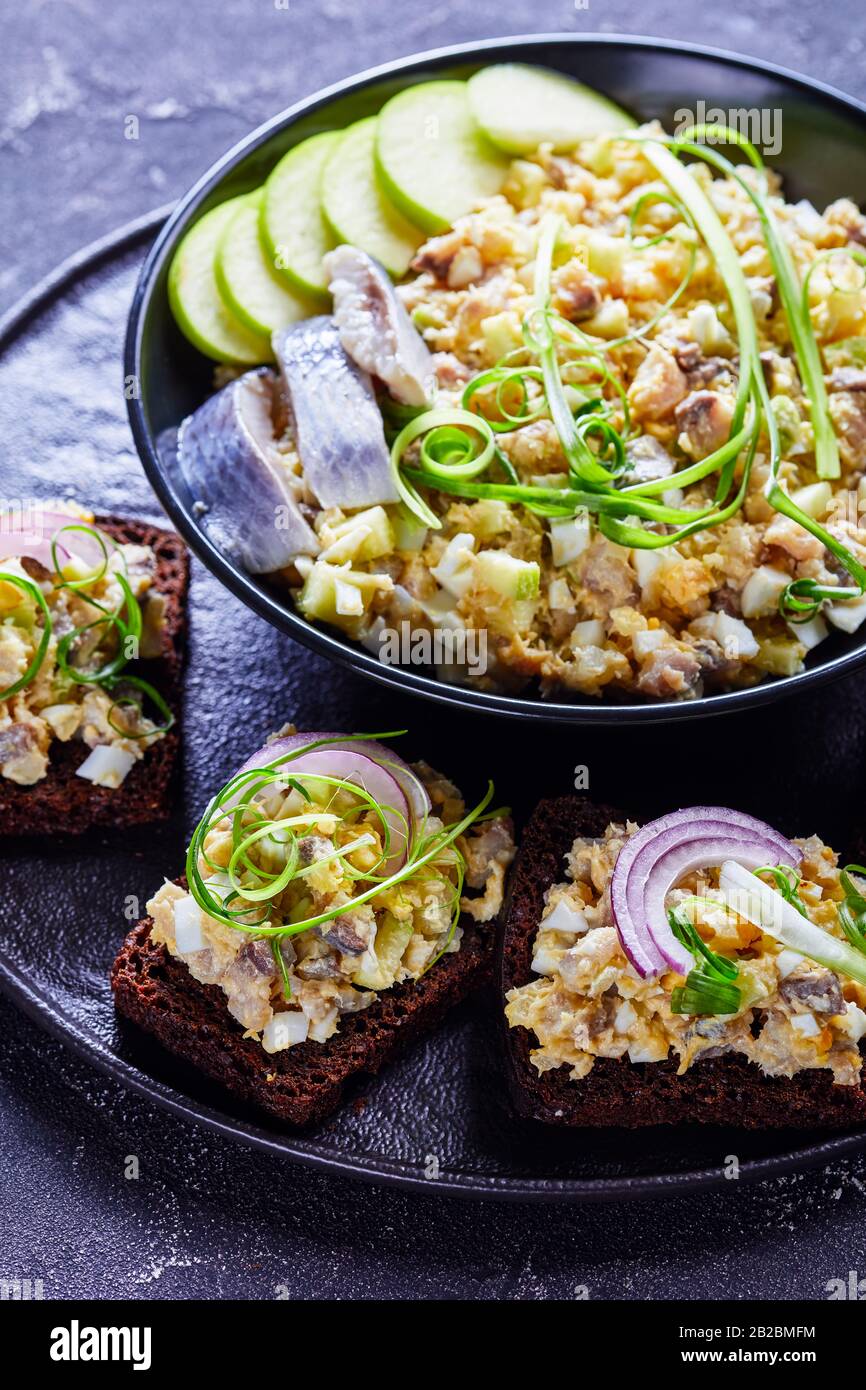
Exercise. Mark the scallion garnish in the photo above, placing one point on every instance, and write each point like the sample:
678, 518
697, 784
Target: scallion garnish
250, 902
803, 597
709, 988
786, 881
299, 788
852, 912
124, 621
279, 958
125, 700
33, 592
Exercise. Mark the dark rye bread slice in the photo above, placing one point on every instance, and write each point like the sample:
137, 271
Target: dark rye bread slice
721, 1090
64, 804
304, 1084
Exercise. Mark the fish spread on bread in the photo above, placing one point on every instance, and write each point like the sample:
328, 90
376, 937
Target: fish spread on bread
700, 935
326, 871
76, 608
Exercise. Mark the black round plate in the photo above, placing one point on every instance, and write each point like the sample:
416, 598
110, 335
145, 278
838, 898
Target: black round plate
64, 908
823, 157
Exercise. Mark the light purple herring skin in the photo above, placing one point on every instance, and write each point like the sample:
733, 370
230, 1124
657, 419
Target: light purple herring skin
375, 328
338, 426
226, 453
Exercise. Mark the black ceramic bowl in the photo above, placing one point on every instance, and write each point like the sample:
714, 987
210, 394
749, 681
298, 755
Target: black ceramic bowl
823, 157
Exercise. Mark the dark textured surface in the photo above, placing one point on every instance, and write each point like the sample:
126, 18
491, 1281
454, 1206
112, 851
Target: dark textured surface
204, 1217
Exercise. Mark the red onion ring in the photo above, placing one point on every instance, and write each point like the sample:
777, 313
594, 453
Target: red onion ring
664, 851
31, 538
413, 790
350, 765
29, 545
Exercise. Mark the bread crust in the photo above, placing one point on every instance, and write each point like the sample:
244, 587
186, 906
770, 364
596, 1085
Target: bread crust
721, 1090
65, 804
303, 1084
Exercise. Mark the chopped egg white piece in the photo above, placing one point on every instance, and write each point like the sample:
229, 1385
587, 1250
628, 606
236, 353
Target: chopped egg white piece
810, 633
106, 766
762, 591
848, 614
569, 538
285, 1030
187, 926
588, 634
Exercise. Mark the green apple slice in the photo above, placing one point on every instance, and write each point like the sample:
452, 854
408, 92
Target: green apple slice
196, 303
358, 209
295, 233
434, 162
521, 107
255, 293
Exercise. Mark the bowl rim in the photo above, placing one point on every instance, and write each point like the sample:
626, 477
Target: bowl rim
281, 615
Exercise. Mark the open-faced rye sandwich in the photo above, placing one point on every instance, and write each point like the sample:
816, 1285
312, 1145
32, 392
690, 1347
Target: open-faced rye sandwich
337, 903
700, 968
92, 632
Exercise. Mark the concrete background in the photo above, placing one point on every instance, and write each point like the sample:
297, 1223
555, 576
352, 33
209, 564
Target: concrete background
207, 1219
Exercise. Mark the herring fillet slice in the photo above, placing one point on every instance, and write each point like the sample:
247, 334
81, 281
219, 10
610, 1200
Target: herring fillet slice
337, 424
375, 328
225, 451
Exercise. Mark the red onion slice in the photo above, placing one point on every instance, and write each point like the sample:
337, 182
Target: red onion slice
704, 853
350, 766
413, 790
29, 545
31, 537
636, 942
664, 851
